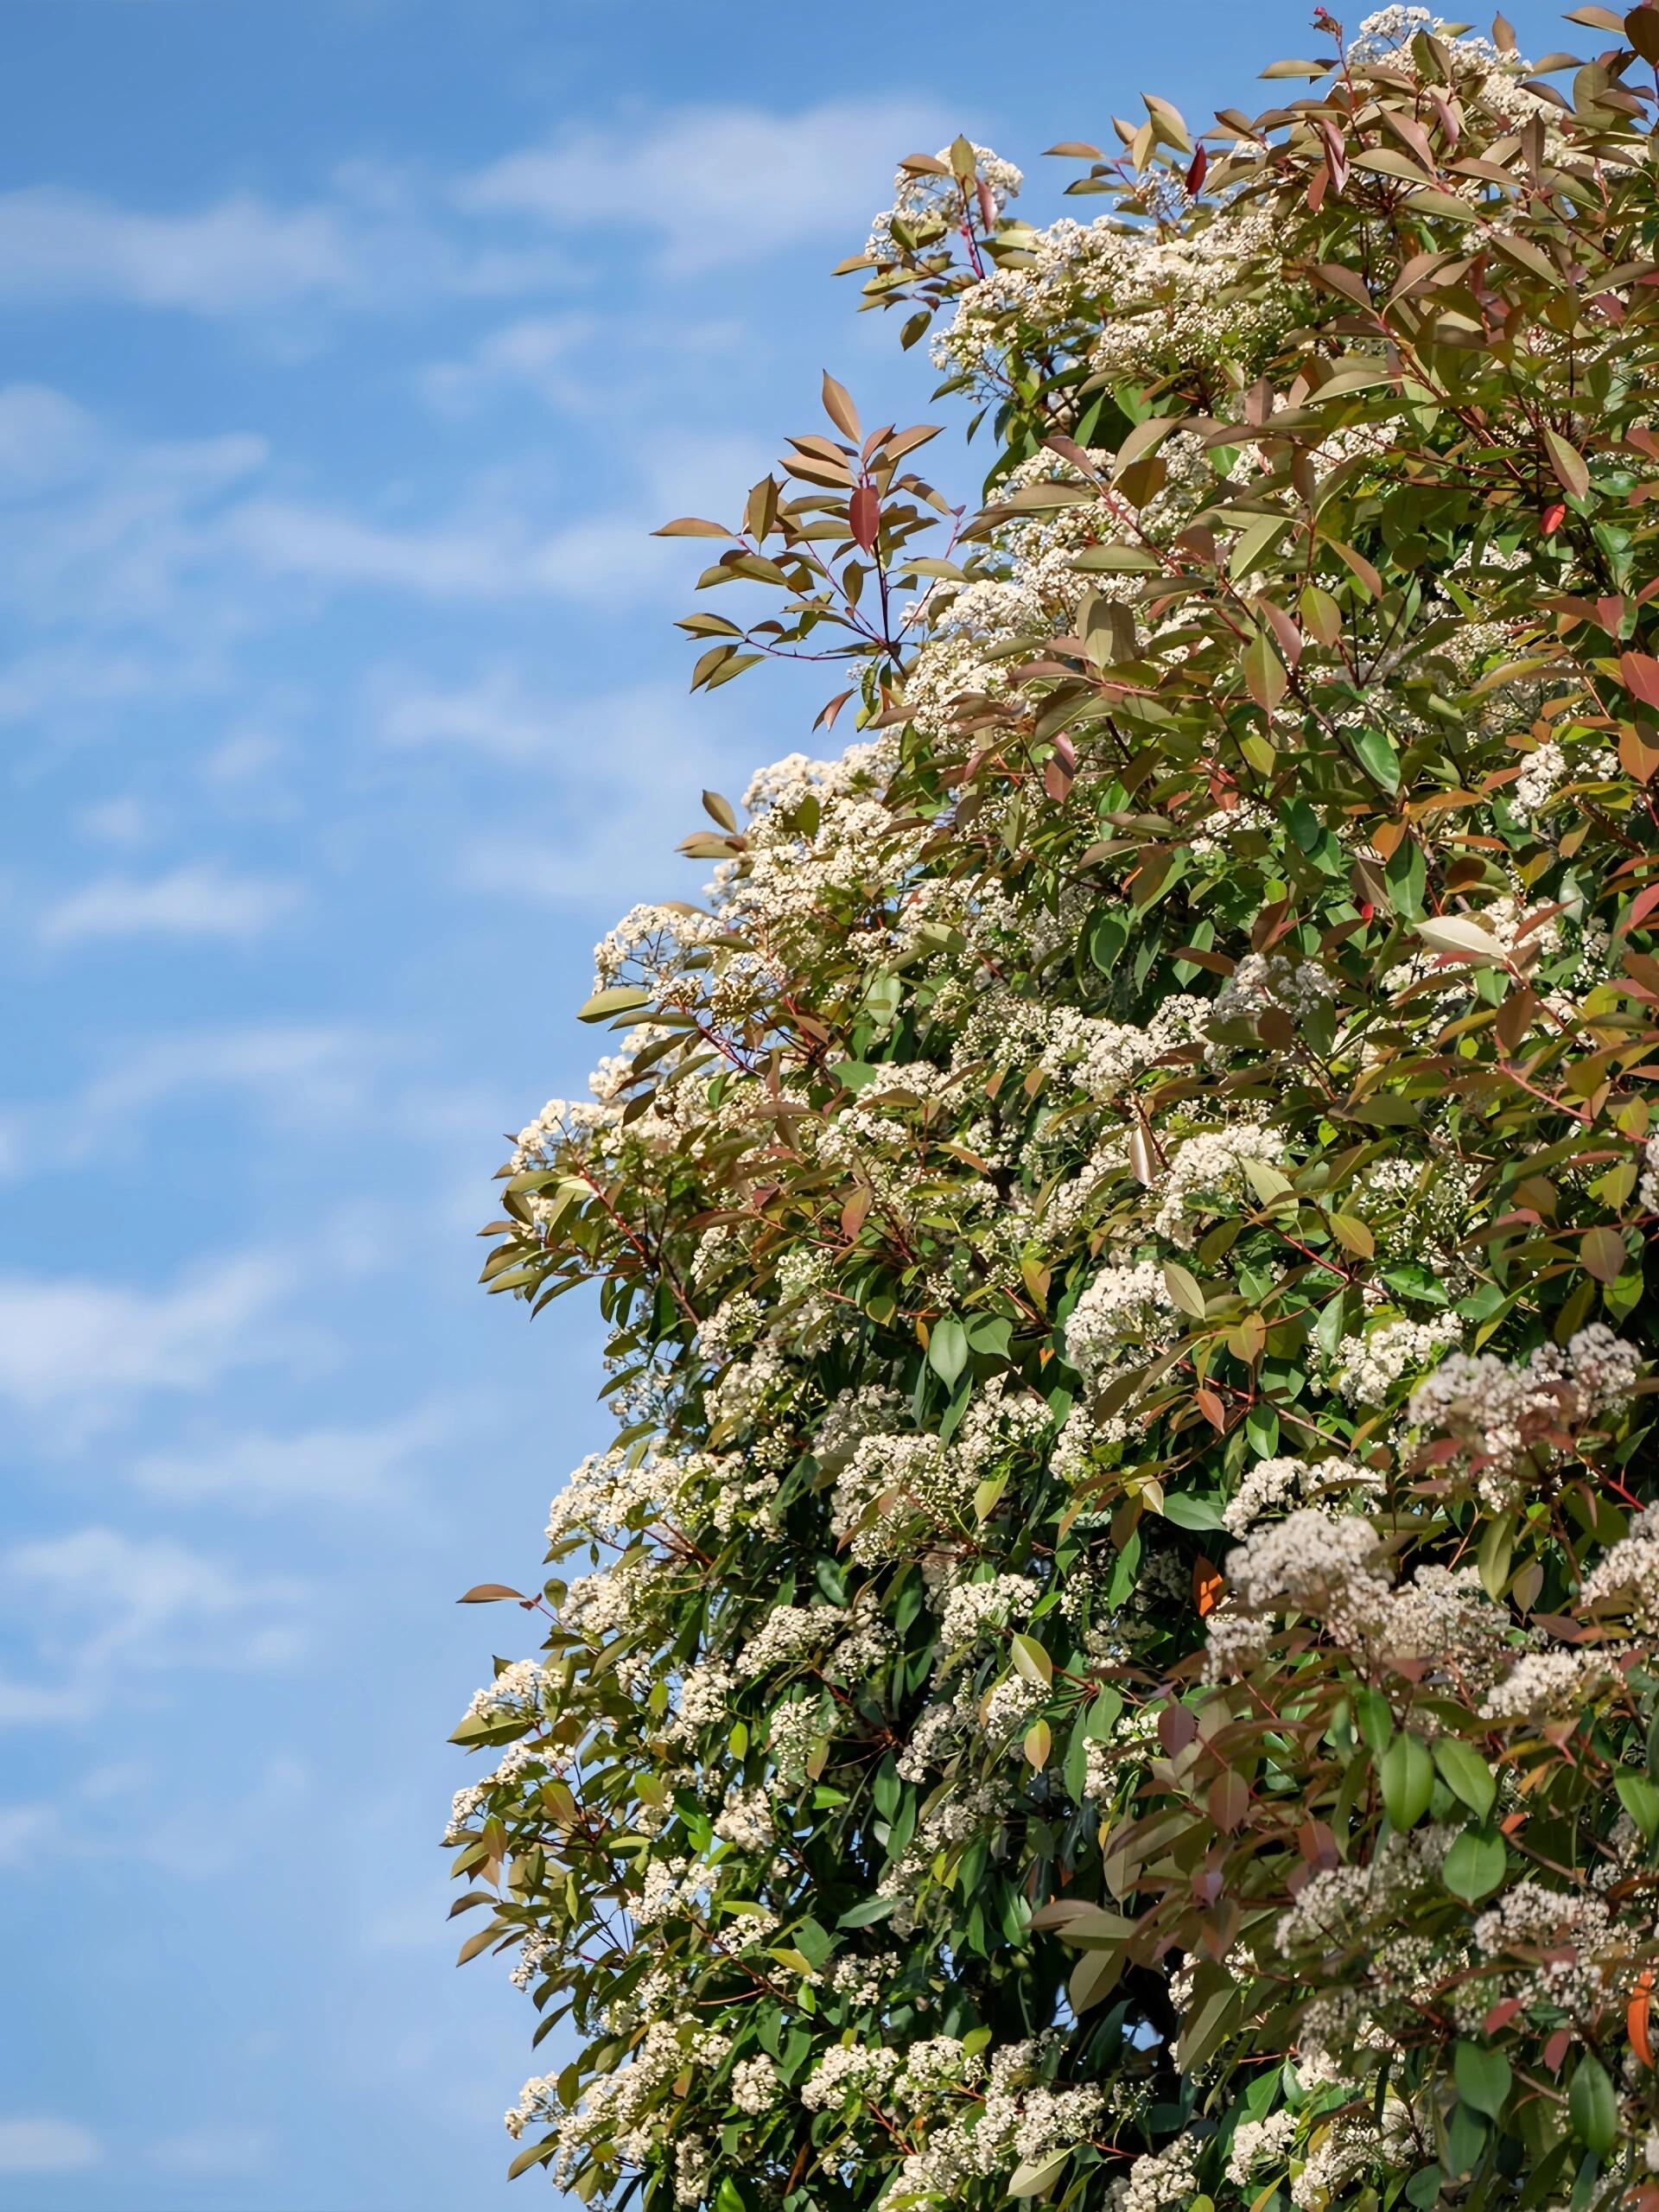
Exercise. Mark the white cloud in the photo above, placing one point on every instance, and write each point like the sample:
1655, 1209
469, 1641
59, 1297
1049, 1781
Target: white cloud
567, 362
306, 1076
44, 436
65, 682
623, 783
534, 353
488, 556
200, 899
105, 1608
113, 538
238, 255
718, 185
242, 759
213, 2149
295, 1071
46, 2146
499, 713
122, 820
78, 1345
381, 236
336, 1466
25, 1829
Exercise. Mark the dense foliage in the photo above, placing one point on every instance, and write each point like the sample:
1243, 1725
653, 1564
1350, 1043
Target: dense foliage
1114, 1656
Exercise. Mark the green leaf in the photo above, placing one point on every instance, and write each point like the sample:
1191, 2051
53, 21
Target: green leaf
1266, 1181
1378, 758
947, 1348
1183, 1289
1568, 464
1031, 1660
1265, 675
1254, 542
1640, 1801
1466, 1774
1187, 1510
1483, 2077
1408, 1774
622, 998
865, 1912
1036, 2177
1592, 2106
1475, 1865
1602, 1255
538, 2153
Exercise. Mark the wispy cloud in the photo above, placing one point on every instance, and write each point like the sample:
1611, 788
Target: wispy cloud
623, 782
313, 1076
237, 256
535, 353
200, 899
25, 1829
100, 1604
571, 363
78, 1345
258, 1471
45, 437
499, 556
96, 532
377, 237
42, 2145
717, 185
499, 713
213, 2150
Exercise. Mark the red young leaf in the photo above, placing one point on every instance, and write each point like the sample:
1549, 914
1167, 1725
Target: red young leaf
1639, 673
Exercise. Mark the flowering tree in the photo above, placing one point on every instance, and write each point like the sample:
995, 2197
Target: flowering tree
1114, 1656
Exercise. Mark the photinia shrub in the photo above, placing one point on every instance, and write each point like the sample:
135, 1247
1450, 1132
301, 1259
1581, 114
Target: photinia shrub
1114, 1656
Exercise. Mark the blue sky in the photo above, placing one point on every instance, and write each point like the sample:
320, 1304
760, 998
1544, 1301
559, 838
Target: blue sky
351, 348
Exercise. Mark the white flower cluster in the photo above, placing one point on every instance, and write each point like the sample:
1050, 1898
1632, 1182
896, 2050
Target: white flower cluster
1160, 2177
1121, 1304
1262, 979
705, 1693
1549, 1685
1626, 1576
972, 1608
861, 1981
1647, 1189
517, 1692
848, 2070
745, 1820
787, 1634
622, 2110
1271, 1484
1507, 1417
612, 1492
1102, 1057
1210, 1165
1340, 1904
1018, 2117
1330, 1567
1564, 1939
916, 197
1368, 1366
1258, 2143
756, 2086
890, 1484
